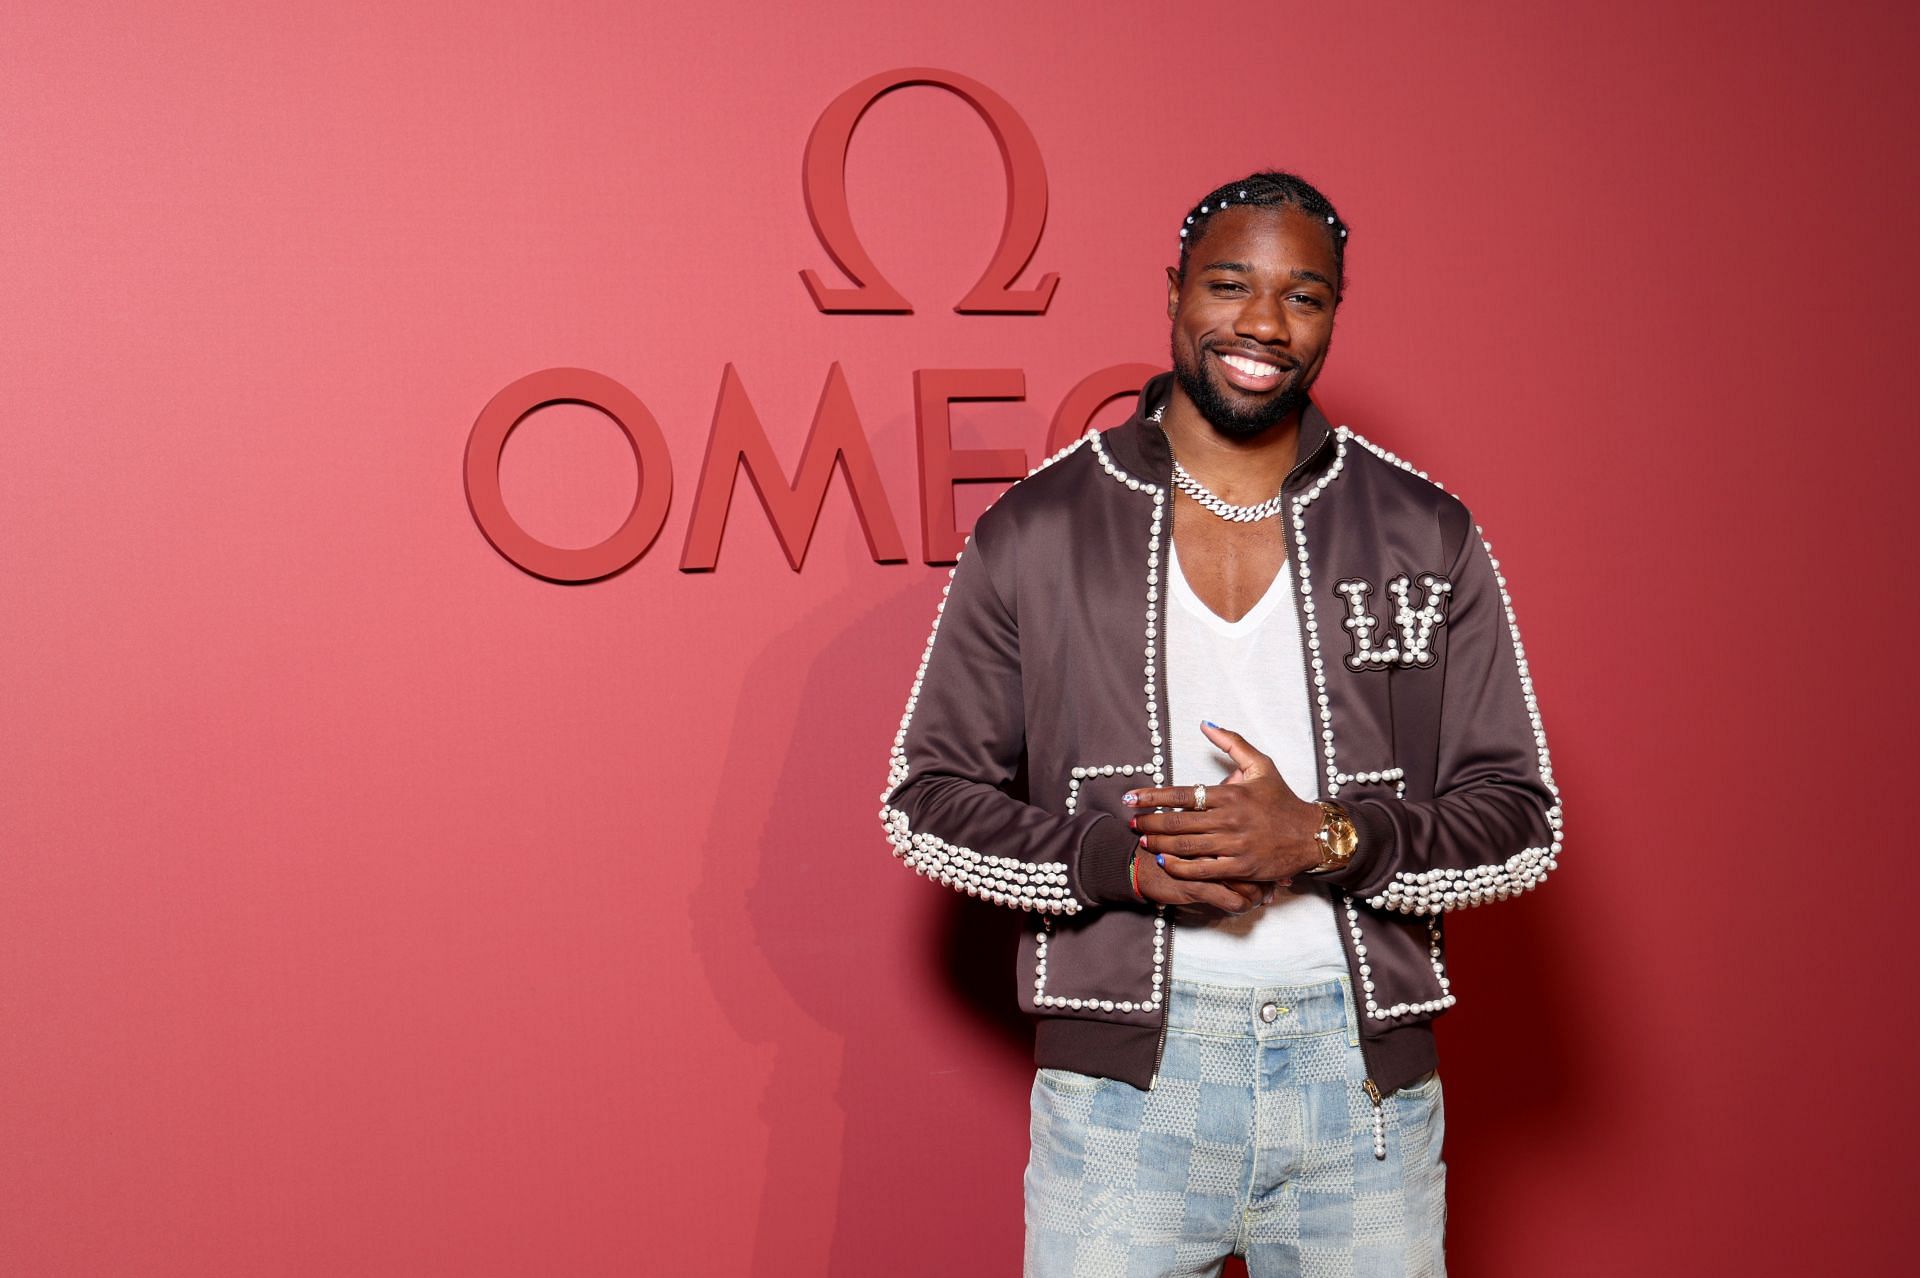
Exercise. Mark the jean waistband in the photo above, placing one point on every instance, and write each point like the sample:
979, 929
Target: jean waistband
1264, 1011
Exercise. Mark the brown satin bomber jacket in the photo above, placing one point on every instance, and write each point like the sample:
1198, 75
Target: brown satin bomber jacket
1041, 699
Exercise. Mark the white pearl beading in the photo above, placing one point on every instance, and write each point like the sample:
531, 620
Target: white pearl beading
1436, 956
1104, 770
1156, 768
1149, 686
1396, 775
1045, 887
1322, 702
1416, 625
1044, 999
1428, 892
1433, 891
1335, 777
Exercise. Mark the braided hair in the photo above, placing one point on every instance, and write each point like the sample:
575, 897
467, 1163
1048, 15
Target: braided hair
1268, 189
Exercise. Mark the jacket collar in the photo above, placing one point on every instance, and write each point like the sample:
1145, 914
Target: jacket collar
1140, 447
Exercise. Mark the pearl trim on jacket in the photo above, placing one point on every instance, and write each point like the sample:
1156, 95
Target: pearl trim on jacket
1042, 886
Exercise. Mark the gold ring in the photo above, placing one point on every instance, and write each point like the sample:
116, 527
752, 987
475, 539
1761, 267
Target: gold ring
1199, 798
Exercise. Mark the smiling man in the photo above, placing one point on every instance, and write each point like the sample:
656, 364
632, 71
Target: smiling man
1233, 705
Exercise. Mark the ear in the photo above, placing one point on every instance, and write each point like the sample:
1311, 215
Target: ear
1173, 290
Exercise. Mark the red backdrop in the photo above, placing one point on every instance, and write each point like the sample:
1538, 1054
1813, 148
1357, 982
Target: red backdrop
369, 905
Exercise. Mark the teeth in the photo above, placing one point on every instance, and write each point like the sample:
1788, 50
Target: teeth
1251, 368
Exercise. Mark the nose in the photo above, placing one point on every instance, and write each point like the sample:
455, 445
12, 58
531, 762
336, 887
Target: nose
1262, 319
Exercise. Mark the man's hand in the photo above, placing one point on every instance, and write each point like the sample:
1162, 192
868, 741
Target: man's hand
1254, 832
1196, 899
1233, 896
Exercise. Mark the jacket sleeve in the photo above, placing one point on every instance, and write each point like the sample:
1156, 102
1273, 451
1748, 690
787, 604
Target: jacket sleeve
1493, 828
946, 808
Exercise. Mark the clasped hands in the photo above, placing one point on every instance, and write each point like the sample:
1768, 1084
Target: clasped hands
1253, 836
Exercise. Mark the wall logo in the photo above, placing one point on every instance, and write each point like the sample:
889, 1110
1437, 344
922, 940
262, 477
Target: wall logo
737, 439
825, 184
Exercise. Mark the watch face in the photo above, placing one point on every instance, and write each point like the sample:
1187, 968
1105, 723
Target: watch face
1341, 834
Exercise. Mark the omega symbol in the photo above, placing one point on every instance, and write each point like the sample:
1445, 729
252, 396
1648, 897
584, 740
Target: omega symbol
824, 174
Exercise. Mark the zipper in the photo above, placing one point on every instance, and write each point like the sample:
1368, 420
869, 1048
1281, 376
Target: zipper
1162, 698
1300, 462
1160, 686
1371, 1088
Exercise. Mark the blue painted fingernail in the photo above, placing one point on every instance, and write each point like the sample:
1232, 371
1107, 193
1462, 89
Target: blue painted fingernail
1160, 859
1129, 798
1210, 723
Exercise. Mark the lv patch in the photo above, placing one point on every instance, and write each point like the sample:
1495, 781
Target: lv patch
1412, 646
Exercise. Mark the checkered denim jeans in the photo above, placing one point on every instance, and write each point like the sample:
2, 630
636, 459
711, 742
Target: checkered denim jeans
1258, 1139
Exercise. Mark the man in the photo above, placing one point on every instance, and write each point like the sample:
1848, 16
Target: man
1234, 704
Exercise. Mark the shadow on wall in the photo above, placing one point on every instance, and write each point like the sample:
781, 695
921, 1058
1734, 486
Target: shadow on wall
898, 1062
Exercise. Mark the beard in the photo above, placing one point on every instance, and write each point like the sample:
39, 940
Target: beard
1235, 417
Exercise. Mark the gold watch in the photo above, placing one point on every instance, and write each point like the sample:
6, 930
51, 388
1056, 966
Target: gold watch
1336, 836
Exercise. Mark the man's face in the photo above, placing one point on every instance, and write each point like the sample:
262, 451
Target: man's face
1259, 291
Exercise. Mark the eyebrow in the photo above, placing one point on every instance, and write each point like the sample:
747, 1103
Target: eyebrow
1298, 273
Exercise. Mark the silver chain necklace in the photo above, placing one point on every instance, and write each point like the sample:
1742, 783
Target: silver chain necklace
1193, 488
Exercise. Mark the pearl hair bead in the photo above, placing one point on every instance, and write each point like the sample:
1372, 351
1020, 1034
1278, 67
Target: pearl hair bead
1204, 209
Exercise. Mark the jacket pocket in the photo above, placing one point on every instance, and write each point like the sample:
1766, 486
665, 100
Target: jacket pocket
1110, 963
1110, 966
1401, 957
1402, 962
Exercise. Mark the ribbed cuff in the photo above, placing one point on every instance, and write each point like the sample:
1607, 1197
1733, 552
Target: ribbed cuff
1106, 860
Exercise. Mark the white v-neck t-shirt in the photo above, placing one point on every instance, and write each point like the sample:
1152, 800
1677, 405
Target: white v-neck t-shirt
1247, 675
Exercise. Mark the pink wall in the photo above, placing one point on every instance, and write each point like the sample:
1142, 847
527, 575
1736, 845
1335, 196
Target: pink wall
368, 905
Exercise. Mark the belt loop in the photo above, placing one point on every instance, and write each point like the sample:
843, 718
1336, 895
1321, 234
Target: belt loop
1353, 1016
